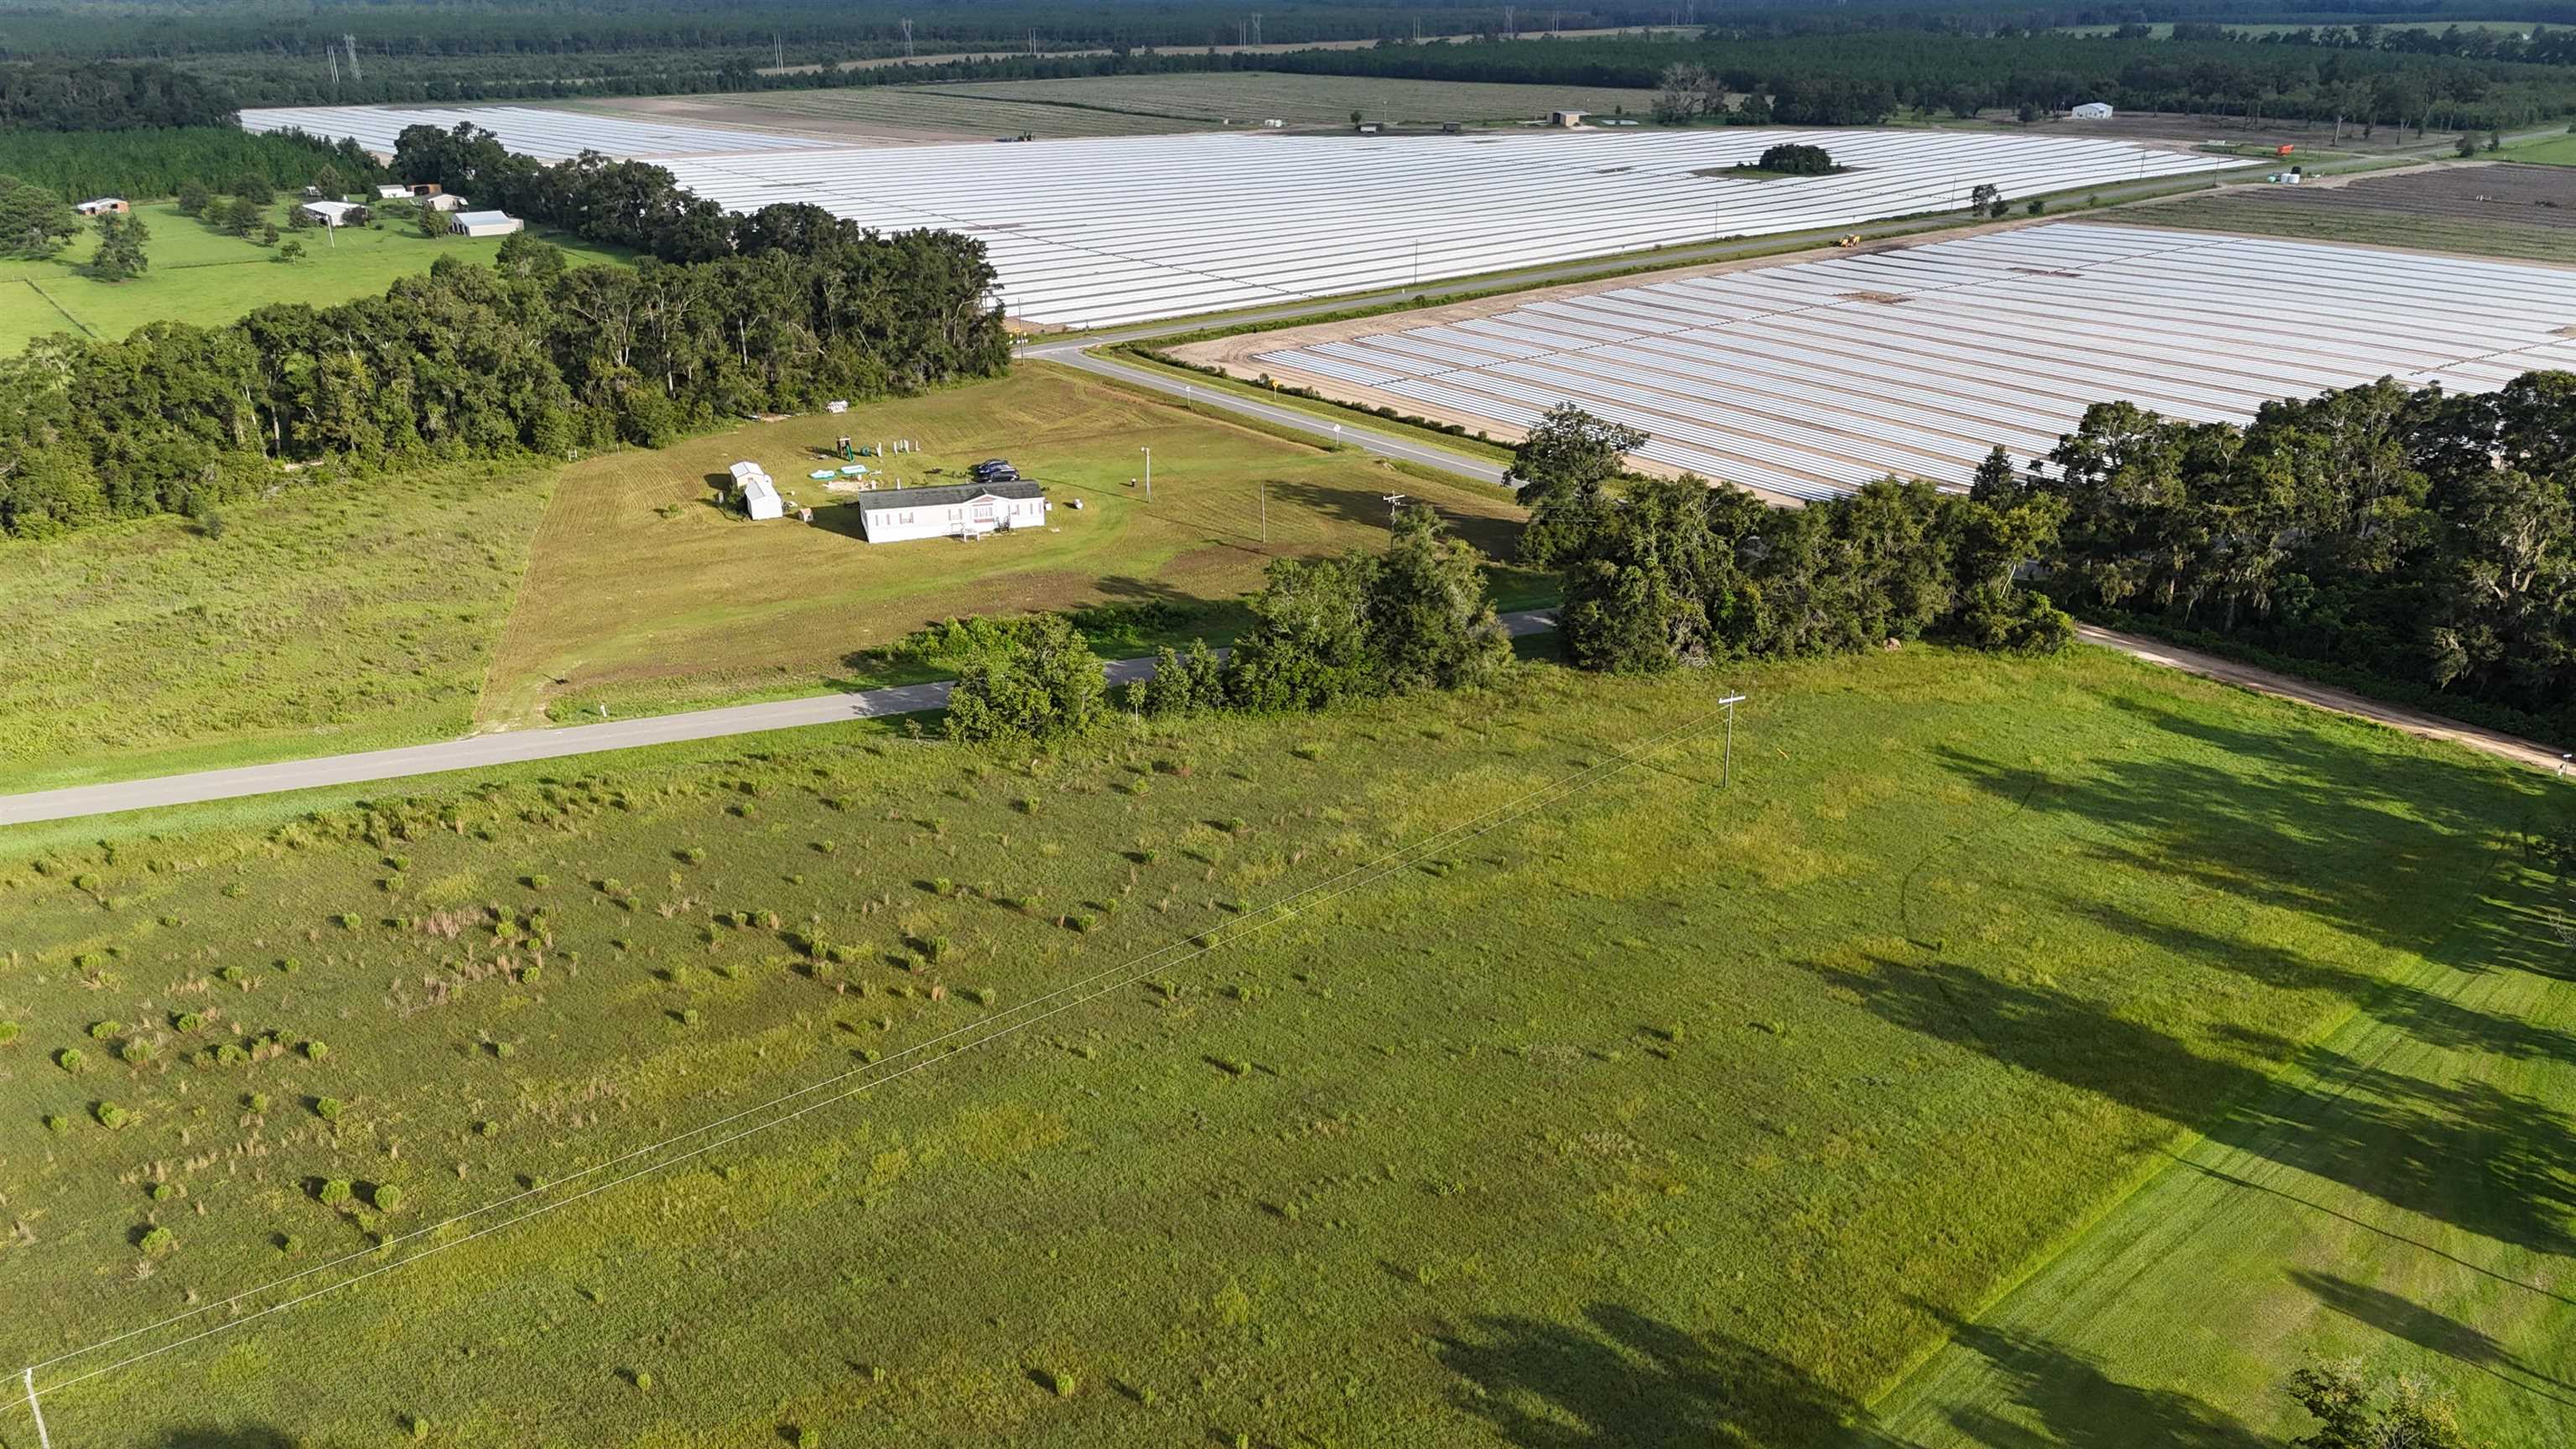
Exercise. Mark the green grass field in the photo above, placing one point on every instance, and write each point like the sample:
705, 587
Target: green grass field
2252, 216
2555, 151
200, 275
339, 616
643, 594
1573, 1105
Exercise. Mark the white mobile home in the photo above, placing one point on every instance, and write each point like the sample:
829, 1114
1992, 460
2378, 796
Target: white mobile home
760, 499
2093, 111
956, 510
102, 205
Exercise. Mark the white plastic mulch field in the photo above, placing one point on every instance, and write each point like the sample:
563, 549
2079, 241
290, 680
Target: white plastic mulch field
530, 130
1126, 229
1811, 378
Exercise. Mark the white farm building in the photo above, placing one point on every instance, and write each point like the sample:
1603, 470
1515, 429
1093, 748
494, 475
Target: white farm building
484, 223
2093, 111
330, 213
956, 510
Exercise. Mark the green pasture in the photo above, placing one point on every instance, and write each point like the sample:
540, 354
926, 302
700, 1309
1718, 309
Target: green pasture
343, 614
1577, 1097
200, 275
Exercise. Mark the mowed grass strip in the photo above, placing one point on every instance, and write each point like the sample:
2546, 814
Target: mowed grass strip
1663, 1114
202, 276
644, 593
340, 615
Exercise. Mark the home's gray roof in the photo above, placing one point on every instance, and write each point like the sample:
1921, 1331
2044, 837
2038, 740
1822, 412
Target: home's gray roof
946, 495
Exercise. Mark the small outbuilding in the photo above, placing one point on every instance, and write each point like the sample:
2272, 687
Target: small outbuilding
484, 223
2093, 111
402, 189
1368, 128
102, 205
443, 201
953, 510
760, 499
1565, 120
332, 213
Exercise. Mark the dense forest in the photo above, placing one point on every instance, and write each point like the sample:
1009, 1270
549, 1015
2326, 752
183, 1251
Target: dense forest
104, 96
526, 358
1807, 73
145, 164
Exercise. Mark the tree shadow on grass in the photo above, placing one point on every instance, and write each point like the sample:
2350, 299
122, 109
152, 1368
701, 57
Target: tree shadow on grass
2072, 1404
2402, 1318
2468, 1153
1630, 1380
2291, 818
1494, 537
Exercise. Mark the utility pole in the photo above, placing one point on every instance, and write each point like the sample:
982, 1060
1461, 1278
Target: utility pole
351, 41
43, 1440
907, 40
1726, 770
1149, 473
1265, 513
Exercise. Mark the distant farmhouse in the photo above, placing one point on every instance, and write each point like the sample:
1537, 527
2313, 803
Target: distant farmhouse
954, 510
102, 205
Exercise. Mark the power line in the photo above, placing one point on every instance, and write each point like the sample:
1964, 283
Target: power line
1081, 992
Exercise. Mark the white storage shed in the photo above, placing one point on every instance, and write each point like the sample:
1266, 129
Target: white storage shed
760, 499
329, 213
956, 510
2093, 111
484, 223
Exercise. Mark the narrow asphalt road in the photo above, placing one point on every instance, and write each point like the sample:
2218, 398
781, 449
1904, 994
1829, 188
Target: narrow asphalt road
482, 751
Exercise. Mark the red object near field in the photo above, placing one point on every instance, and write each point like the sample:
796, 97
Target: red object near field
2286, 150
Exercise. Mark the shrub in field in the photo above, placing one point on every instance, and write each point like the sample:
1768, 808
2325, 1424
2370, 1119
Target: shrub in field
57, 1123
8, 1032
487, 1128
69, 1059
327, 1108
387, 1198
229, 1054
159, 1192
136, 1052
157, 1243
529, 975
419, 1427
187, 1021
644, 1381
348, 920
102, 1030
256, 1101
316, 1050
335, 1192
808, 1439
110, 1115
1062, 1381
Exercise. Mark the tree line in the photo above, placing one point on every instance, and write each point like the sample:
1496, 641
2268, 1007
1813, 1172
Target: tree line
63, 95
1325, 632
525, 358
156, 163
1659, 573
2408, 535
